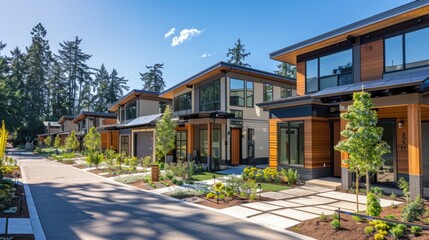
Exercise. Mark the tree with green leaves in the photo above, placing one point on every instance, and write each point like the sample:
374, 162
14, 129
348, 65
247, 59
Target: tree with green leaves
116, 87
48, 141
165, 132
92, 140
57, 141
286, 70
71, 142
363, 139
102, 82
152, 79
237, 54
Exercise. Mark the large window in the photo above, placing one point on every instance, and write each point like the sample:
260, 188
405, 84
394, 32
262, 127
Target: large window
183, 102
216, 140
204, 143
131, 110
250, 143
329, 71
268, 92
181, 140
125, 145
287, 91
405, 51
291, 143
241, 93
210, 96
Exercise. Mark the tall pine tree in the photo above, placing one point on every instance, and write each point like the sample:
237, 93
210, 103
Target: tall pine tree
152, 79
116, 88
101, 97
237, 54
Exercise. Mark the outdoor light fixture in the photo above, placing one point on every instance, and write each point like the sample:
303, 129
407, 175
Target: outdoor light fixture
401, 124
260, 191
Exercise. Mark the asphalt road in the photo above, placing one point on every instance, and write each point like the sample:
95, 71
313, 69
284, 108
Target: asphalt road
73, 204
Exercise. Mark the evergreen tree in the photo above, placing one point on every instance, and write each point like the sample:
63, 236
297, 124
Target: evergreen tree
237, 54
71, 142
58, 95
6, 108
165, 129
57, 141
101, 97
152, 79
92, 140
286, 70
16, 83
116, 88
362, 143
73, 62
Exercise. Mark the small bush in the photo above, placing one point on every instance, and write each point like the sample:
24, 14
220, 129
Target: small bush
357, 218
252, 196
373, 207
378, 191
352, 190
130, 179
416, 230
145, 162
336, 216
211, 195
379, 236
369, 230
323, 217
390, 217
393, 196
413, 210
335, 224
426, 220
405, 187
161, 165
397, 232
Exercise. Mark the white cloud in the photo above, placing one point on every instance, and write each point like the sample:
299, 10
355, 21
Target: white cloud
185, 35
204, 55
169, 33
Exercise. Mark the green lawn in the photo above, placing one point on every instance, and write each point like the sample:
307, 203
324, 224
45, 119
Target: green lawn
205, 176
273, 187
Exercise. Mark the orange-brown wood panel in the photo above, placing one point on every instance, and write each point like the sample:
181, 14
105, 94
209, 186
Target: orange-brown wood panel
108, 121
273, 145
372, 60
104, 140
300, 78
337, 155
414, 139
115, 140
235, 146
317, 144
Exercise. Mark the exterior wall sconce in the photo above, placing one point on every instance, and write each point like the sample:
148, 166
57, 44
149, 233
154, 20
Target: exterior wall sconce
401, 124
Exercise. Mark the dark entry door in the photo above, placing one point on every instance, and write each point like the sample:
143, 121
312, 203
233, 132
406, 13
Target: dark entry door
387, 173
143, 144
425, 153
235, 146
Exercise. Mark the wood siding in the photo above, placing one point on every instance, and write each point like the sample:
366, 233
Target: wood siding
372, 60
273, 159
110, 139
300, 78
317, 143
414, 140
336, 154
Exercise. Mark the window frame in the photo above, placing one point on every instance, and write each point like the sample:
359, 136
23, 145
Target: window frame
214, 101
127, 112
264, 92
177, 100
122, 144
279, 142
181, 141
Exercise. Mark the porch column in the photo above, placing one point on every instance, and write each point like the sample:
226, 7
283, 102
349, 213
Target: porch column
209, 147
190, 142
414, 150
345, 174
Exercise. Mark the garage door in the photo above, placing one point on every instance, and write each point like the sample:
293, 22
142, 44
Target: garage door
143, 144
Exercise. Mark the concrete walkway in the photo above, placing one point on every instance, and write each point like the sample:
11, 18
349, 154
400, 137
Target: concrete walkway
73, 204
291, 207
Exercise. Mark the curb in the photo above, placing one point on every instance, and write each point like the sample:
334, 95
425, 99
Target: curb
38, 232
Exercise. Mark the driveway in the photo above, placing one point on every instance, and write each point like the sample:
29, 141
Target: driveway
76, 205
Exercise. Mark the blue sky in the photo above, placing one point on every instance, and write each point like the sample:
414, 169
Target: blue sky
130, 34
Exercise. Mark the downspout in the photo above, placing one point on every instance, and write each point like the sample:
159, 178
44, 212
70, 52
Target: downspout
225, 72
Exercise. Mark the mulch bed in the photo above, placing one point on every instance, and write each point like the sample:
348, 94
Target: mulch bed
349, 228
112, 173
16, 203
141, 184
223, 203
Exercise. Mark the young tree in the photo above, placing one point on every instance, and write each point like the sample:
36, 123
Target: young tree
48, 141
237, 54
92, 140
362, 143
71, 142
286, 70
153, 80
165, 132
57, 141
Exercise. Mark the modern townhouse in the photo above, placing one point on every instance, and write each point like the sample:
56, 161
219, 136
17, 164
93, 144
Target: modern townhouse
218, 119
50, 130
387, 55
67, 126
133, 132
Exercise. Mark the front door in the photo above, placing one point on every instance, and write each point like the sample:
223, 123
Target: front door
143, 144
235, 146
387, 173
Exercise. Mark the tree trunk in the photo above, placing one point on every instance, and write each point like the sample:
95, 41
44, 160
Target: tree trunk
368, 189
357, 190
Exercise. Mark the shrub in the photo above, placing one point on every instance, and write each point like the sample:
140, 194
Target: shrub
369, 230
249, 188
378, 236
270, 174
211, 195
94, 158
133, 162
259, 177
378, 191
426, 220
145, 162
416, 230
397, 232
357, 218
352, 190
290, 175
252, 196
373, 207
393, 196
179, 169
234, 182
405, 187
322, 217
390, 217
110, 156
191, 169
336, 216
249, 173
130, 179
413, 210
335, 224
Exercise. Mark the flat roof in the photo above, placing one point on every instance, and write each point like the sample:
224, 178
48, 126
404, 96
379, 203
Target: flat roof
82, 115
400, 13
127, 97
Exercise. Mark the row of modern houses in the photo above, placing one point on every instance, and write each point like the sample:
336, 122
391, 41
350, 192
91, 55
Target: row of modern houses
231, 115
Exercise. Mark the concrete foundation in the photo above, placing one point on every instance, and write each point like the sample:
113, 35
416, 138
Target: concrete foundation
416, 186
346, 179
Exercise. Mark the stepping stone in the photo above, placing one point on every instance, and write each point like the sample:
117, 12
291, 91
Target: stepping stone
261, 206
274, 220
342, 196
20, 226
316, 189
297, 192
276, 195
240, 212
312, 200
350, 206
285, 204
316, 210
295, 214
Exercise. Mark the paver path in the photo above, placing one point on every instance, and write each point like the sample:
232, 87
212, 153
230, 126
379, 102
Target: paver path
76, 205
290, 207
